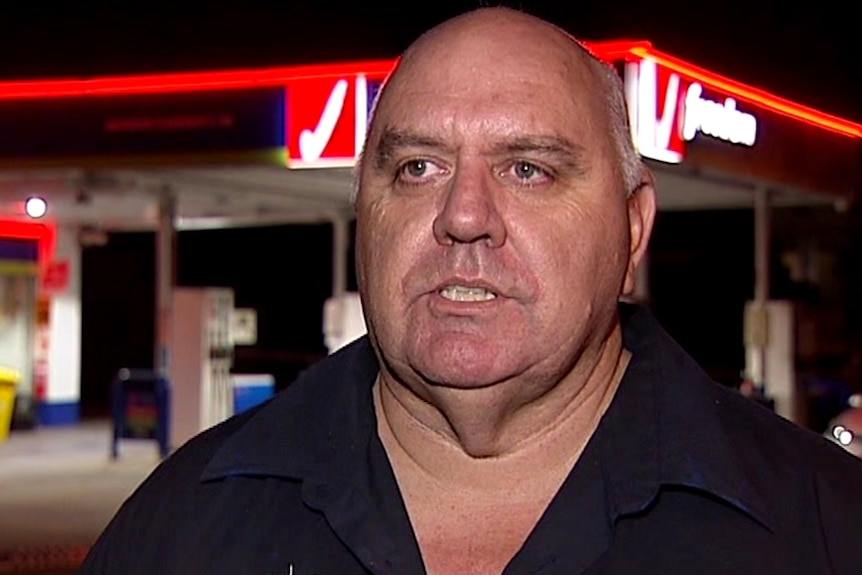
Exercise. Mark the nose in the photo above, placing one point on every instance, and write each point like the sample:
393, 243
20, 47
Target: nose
470, 212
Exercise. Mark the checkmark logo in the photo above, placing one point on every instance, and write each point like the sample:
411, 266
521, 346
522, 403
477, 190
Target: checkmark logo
313, 142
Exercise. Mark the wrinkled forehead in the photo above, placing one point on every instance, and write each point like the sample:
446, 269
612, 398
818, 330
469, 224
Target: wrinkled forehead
488, 61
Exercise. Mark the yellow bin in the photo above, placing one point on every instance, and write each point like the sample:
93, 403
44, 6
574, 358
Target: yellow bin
8, 382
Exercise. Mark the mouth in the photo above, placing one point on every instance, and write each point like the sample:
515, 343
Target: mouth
461, 293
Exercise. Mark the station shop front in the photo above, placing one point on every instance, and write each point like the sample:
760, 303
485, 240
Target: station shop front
233, 149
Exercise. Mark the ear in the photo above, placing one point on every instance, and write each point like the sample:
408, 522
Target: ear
641, 212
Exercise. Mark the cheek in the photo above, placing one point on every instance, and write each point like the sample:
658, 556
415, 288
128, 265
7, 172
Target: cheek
390, 243
387, 244
579, 263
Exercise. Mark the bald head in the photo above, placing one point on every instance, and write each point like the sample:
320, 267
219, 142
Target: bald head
502, 45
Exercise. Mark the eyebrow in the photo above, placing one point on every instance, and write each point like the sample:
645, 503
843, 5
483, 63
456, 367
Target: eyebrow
393, 140
562, 150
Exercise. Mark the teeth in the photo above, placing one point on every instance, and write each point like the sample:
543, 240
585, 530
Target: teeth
461, 293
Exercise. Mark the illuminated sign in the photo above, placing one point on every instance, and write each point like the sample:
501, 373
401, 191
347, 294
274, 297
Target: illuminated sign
666, 111
721, 121
327, 119
55, 278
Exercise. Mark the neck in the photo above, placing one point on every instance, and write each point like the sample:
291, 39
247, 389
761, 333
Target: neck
484, 438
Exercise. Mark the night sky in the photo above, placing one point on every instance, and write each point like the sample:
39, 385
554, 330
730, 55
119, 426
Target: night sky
805, 51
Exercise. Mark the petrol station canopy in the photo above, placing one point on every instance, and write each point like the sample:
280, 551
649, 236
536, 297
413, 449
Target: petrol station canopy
276, 145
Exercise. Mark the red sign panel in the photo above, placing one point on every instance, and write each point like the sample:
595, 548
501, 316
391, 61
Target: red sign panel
56, 277
326, 119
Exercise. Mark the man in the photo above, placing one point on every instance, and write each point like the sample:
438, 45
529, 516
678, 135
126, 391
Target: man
505, 414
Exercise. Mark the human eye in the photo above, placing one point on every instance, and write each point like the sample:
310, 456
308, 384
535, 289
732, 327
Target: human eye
418, 171
527, 173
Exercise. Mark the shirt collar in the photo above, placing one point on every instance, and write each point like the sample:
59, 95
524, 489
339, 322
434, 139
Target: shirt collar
323, 422
323, 433
665, 428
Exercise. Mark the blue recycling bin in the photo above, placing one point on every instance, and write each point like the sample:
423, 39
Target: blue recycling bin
251, 389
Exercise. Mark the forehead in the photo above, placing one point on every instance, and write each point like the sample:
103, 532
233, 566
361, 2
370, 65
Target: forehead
492, 77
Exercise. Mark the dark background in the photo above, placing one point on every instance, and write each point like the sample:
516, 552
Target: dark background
807, 52
283, 272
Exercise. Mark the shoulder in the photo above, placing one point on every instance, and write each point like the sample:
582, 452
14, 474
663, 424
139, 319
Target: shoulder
703, 415
808, 488
777, 443
812, 486
712, 438
161, 506
275, 439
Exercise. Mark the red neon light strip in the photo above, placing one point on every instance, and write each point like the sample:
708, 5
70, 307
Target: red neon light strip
223, 80
186, 82
754, 95
616, 49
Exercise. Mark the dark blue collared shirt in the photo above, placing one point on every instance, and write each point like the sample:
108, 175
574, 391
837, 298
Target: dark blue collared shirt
682, 476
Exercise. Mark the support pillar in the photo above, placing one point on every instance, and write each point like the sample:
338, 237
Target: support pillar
166, 262
343, 320
340, 240
769, 325
762, 235
756, 313
60, 392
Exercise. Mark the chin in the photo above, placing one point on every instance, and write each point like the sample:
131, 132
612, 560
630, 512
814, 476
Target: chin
453, 379
459, 365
